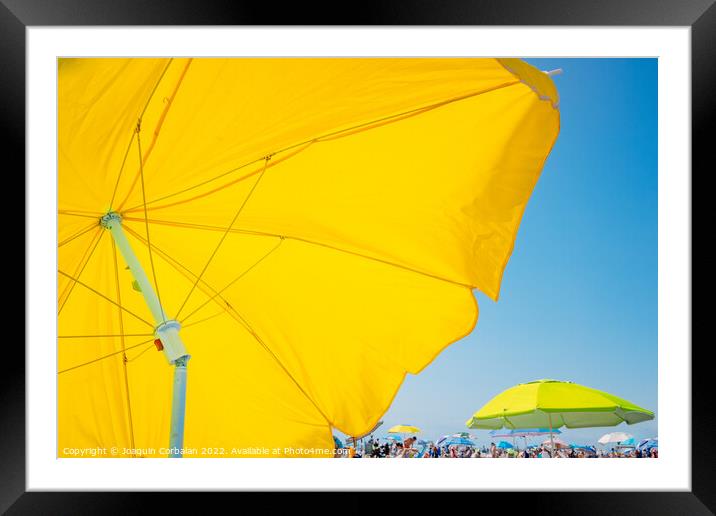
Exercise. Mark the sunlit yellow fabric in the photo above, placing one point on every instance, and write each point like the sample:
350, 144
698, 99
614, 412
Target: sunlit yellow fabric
554, 404
403, 429
380, 193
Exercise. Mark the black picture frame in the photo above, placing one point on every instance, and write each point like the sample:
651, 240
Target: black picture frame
17, 15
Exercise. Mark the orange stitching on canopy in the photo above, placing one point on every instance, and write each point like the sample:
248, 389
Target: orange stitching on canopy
157, 130
129, 145
297, 238
326, 137
231, 183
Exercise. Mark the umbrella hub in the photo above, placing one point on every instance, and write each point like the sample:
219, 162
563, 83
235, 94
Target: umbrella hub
109, 219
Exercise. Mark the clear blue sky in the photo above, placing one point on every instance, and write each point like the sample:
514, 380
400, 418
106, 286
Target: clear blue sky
579, 295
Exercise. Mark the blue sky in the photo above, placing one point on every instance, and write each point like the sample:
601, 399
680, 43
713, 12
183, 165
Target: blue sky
579, 295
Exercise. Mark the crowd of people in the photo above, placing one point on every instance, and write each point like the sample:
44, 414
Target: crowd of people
412, 448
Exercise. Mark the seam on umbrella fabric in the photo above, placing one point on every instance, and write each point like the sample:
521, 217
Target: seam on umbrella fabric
258, 170
131, 140
299, 239
338, 134
158, 127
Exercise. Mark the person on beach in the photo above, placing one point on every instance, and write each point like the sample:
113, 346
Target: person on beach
369, 448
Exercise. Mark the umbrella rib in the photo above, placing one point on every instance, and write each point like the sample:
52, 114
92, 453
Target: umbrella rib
75, 280
116, 335
124, 159
298, 239
77, 235
129, 145
157, 129
146, 224
103, 357
183, 270
237, 278
215, 293
228, 308
222, 312
139, 355
124, 353
509, 422
223, 237
371, 124
273, 163
77, 213
242, 321
81, 267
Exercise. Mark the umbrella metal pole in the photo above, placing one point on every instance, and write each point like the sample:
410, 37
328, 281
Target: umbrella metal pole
551, 438
166, 331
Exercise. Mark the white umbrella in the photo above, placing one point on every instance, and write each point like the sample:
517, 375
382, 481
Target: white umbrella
614, 437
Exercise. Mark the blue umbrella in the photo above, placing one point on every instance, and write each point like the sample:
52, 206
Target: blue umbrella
648, 444
504, 445
338, 442
629, 443
455, 441
583, 447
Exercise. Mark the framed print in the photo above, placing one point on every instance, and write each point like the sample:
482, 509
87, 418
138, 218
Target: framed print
256, 250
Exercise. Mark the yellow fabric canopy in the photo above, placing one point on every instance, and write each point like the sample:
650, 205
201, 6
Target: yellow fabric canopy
404, 429
316, 225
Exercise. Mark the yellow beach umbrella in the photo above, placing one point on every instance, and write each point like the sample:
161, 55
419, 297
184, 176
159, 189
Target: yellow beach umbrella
259, 216
404, 429
555, 404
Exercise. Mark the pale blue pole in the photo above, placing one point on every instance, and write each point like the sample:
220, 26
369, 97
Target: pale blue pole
166, 330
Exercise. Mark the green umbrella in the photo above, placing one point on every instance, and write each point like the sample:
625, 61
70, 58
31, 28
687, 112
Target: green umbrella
554, 404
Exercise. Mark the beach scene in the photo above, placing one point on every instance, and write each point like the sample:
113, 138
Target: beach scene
357, 258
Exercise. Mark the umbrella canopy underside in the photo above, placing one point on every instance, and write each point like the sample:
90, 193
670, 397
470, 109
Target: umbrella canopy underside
285, 210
